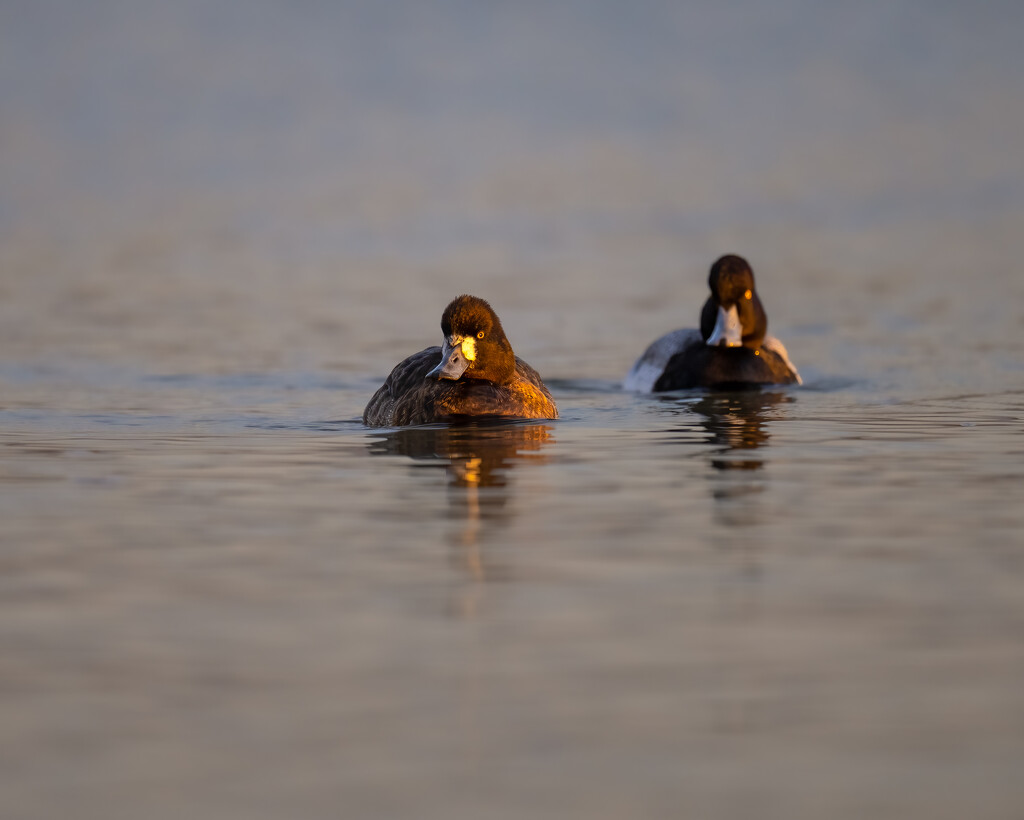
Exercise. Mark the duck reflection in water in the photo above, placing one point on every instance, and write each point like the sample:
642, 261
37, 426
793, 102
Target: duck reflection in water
478, 458
736, 423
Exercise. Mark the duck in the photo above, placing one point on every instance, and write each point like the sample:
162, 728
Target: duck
473, 374
730, 350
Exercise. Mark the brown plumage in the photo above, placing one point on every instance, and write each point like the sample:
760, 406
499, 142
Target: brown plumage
474, 374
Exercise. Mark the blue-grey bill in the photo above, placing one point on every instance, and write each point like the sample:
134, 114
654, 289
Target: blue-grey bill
452, 365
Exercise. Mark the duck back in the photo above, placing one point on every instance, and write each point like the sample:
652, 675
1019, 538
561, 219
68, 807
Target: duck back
726, 368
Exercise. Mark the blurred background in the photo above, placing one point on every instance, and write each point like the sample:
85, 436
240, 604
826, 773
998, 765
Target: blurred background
222, 223
258, 185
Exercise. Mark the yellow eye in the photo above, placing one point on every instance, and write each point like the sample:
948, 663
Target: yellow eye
748, 294
480, 335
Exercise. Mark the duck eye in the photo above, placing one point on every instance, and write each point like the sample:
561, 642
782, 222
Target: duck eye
480, 335
748, 294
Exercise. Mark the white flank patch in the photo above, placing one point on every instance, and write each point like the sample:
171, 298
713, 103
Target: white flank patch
649, 367
771, 343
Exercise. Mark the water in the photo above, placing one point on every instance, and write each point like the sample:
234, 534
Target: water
221, 596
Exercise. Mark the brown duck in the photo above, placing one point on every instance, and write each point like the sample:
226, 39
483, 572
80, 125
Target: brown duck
473, 374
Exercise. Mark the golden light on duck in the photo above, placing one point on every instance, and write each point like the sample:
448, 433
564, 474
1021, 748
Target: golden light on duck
474, 373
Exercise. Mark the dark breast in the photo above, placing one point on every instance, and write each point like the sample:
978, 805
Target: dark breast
724, 367
408, 397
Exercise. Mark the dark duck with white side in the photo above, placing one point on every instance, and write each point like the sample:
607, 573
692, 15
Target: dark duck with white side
731, 350
474, 374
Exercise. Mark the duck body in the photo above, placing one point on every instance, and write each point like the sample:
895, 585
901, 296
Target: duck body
731, 350
681, 360
408, 396
474, 374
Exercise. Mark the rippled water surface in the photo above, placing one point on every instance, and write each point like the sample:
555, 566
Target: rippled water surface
222, 596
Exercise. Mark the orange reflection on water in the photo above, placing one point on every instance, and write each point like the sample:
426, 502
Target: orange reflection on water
478, 459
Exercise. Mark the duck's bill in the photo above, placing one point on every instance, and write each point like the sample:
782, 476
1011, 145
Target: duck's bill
453, 362
728, 332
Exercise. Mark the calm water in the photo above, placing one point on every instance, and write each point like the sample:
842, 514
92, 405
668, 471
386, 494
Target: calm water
222, 596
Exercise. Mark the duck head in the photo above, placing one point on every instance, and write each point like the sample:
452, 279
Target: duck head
474, 344
733, 315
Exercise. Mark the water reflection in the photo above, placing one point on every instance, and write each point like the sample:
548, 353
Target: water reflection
478, 458
736, 423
